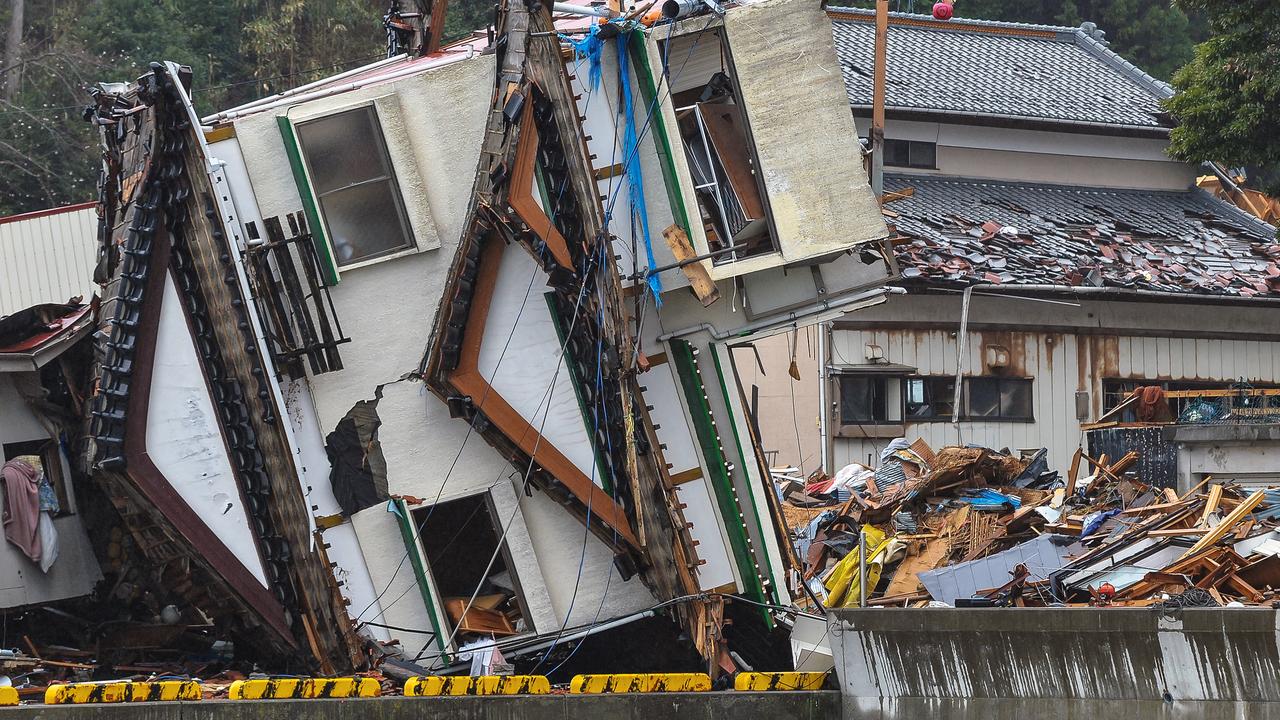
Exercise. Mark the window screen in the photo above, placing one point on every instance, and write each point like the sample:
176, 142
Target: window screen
351, 174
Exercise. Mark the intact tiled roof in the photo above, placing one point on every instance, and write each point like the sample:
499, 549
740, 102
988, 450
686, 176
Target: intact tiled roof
960, 231
1041, 72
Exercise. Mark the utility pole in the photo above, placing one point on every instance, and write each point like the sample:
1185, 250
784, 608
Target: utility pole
877, 98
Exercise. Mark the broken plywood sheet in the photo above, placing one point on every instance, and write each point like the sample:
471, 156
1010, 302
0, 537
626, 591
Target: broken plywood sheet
791, 87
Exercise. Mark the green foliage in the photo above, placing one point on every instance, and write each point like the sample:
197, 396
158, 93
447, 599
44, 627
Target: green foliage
1228, 100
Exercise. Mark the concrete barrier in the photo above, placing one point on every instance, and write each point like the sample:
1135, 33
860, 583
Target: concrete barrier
1061, 663
823, 705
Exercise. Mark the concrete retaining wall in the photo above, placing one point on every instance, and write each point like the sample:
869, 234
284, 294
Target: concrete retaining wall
1057, 663
824, 705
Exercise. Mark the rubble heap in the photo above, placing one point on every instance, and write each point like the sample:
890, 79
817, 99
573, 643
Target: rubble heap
973, 527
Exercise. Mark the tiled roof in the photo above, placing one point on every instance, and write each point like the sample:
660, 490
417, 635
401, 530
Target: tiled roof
1059, 74
962, 231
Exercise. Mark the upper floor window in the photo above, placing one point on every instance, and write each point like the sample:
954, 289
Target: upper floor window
911, 154
354, 183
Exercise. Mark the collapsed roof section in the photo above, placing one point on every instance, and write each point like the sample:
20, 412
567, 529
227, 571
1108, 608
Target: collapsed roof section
186, 430
959, 231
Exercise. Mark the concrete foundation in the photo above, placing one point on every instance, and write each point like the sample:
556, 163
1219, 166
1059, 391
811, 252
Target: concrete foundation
1057, 663
823, 705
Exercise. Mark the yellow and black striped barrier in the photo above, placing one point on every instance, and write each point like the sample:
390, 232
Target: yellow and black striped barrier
477, 685
303, 688
640, 683
759, 681
8, 696
119, 692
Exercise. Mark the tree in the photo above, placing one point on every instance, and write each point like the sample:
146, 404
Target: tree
1228, 97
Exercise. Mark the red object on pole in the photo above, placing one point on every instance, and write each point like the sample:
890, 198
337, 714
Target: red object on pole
942, 10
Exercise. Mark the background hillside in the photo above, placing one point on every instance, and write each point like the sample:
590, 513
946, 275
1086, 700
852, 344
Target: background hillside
244, 49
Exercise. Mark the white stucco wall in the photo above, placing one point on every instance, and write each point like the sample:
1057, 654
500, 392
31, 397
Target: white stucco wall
387, 309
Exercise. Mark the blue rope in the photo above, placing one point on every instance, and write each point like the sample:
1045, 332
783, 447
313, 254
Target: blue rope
590, 48
635, 180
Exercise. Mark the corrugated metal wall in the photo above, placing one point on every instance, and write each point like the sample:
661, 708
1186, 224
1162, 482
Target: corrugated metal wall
1061, 364
47, 257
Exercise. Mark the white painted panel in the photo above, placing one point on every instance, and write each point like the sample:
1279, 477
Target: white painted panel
717, 567
660, 392
525, 370
313, 464
185, 442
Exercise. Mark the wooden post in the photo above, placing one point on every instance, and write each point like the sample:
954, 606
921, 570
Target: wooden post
877, 98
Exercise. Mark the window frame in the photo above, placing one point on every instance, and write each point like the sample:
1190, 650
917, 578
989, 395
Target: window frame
888, 426
911, 162
907, 417
398, 149
966, 395
379, 140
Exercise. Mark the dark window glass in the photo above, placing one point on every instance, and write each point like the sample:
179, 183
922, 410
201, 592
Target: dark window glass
897, 152
863, 399
350, 171
998, 398
910, 153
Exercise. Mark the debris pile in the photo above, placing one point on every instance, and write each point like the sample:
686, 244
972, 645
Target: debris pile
973, 527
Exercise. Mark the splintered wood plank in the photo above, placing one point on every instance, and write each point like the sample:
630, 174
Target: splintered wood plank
695, 270
1211, 505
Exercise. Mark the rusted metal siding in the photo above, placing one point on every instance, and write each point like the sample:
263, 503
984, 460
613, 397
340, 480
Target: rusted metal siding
1060, 364
46, 256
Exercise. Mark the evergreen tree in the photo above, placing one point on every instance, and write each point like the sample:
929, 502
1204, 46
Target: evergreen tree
1228, 97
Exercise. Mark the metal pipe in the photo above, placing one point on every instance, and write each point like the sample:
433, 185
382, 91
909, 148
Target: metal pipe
302, 88
583, 10
868, 296
862, 567
824, 336
409, 70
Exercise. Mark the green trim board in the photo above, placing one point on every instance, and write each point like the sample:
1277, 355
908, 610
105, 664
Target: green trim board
743, 464
414, 550
661, 140
294, 151
704, 428
606, 482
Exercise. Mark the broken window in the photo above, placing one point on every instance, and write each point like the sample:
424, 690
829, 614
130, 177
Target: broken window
351, 174
929, 398
732, 203
869, 399
458, 539
46, 457
997, 398
911, 154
